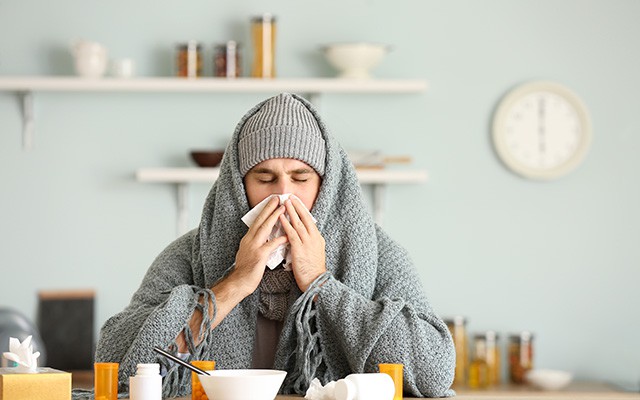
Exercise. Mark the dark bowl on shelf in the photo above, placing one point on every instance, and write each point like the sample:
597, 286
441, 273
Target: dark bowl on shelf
207, 158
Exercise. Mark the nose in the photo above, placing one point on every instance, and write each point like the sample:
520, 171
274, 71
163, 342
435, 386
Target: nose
284, 186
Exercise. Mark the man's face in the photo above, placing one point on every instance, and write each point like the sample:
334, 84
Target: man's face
280, 176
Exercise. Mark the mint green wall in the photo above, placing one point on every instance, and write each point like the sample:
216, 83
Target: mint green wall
559, 258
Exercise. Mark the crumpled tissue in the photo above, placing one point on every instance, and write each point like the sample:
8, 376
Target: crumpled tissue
23, 355
318, 392
282, 251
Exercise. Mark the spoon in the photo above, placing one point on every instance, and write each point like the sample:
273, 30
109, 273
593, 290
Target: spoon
181, 362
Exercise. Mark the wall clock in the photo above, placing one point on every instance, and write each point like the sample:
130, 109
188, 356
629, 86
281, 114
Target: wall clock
541, 130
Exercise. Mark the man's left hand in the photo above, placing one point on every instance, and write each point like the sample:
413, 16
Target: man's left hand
307, 244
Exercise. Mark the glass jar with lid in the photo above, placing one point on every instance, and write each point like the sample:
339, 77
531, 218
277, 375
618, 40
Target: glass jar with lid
226, 60
263, 34
478, 376
189, 59
484, 369
520, 356
458, 327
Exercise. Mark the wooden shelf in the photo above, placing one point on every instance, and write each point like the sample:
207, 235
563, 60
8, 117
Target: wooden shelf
378, 179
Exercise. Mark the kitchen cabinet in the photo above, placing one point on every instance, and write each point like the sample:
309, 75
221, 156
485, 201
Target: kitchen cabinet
26, 87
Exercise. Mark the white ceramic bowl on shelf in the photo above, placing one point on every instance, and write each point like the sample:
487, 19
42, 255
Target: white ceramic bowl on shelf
355, 60
242, 384
548, 379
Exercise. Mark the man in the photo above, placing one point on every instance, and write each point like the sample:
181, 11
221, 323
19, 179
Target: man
345, 298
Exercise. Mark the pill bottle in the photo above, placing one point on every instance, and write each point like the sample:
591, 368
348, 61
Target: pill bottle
106, 380
365, 387
458, 327
197, 391
520, 356
395, 371
147, 383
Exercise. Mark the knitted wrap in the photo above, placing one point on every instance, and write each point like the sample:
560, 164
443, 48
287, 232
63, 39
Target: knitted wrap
370, 306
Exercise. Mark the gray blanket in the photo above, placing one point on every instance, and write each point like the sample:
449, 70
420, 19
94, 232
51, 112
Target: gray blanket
370, 306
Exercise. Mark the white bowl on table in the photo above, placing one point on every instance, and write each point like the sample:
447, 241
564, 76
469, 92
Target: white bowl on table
548, 379
242, 384
355, 60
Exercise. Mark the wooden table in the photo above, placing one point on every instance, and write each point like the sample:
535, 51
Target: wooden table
576, 390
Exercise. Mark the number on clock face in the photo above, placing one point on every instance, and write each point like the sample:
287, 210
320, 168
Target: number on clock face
543, 130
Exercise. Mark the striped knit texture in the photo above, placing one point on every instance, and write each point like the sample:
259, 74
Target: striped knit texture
282, 128
370, 308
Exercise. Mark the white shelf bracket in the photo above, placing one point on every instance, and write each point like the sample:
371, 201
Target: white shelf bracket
183, 208
379, 191
26, 98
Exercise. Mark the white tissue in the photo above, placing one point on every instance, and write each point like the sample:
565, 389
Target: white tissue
282, 251
22, 354
318, 392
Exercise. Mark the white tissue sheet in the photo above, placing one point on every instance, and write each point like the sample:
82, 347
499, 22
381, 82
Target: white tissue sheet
282, 251
318, 392
22, 354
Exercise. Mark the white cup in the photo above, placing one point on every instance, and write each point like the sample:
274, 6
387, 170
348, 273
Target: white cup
122, 68
90, 58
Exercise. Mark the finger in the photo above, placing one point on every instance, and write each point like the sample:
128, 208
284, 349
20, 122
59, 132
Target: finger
262, 232
295, 218
289, 230
304, 215
266, 212
271, 245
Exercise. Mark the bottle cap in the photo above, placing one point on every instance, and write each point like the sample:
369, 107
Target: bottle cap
148, 369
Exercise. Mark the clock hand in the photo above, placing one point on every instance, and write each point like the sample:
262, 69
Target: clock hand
541, 126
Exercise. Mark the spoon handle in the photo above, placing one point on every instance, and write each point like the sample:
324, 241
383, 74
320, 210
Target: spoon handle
179, 361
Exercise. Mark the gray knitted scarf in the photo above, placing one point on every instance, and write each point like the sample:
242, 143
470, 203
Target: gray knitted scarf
274, 293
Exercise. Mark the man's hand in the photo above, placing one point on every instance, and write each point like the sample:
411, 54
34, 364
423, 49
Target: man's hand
254, 250
307, 244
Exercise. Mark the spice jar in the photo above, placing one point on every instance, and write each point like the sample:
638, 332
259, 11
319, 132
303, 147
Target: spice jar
189, 59
263, 34
493, 357
226, 60
458, 327
484, 369
478, 368
520, 356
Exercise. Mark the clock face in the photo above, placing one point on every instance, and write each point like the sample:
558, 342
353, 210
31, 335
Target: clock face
541, 130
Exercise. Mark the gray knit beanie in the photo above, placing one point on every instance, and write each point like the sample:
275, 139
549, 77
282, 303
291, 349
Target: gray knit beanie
282, 128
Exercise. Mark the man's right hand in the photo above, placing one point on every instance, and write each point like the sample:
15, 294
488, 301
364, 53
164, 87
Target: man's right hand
254, 250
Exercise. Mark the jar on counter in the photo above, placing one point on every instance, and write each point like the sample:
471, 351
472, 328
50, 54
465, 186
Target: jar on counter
189, 59
458, 327
484, 369
263, 35
478, 368
520, 356
226, 60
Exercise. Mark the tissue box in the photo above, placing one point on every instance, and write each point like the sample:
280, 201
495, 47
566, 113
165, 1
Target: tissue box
45, 384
